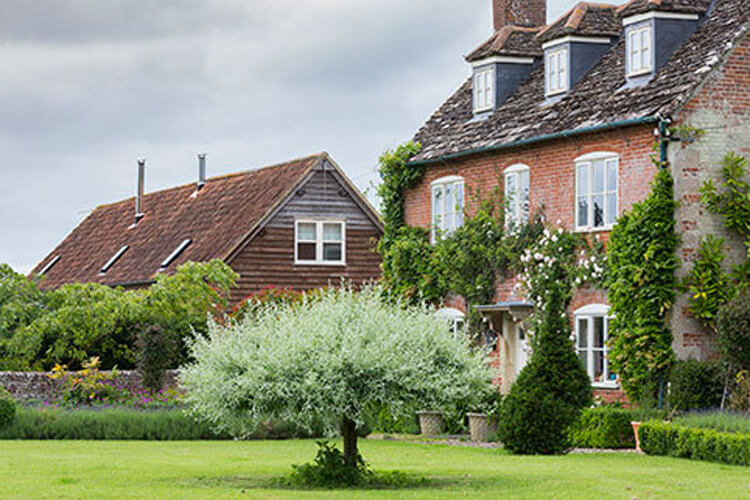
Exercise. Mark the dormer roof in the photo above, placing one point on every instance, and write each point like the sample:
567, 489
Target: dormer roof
585, 19
509, 41
677, 6
599, 100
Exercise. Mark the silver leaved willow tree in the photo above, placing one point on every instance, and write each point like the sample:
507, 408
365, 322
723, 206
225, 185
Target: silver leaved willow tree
324, 360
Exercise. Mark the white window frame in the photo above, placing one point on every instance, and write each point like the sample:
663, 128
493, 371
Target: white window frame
635, 51
438, 228
455, 318
484, 89
557, 71
517, 208
588, 161
319, 242
589, 313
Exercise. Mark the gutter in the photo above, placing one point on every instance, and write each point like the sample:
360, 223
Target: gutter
533, 140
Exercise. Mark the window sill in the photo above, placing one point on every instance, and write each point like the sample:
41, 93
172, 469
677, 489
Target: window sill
601, 229
556, 93
319, 264
640, 73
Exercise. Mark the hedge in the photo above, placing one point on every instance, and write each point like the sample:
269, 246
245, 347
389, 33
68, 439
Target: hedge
603, 427
660, 438
121, 424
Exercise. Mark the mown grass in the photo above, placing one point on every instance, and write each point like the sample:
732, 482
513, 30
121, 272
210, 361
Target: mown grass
720, 421
249, 470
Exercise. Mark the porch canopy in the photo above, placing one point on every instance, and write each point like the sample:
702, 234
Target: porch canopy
517, 310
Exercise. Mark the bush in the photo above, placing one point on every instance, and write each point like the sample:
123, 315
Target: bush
695, 385
659, 438
379, 418
603, 427
734, 331
156, 351
740, 398
7, 407
550, 392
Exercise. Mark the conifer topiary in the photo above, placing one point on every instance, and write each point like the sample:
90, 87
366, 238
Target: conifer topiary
550, 391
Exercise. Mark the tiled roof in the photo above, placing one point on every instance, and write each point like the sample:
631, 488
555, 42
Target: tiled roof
598, 99
509, 41
225, 210
682, 6
585, 19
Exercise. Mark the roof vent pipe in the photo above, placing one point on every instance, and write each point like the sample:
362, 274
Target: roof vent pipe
201, 170
139, 190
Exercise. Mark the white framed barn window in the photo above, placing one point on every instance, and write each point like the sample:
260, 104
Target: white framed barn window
447, 206
640, 55
556, 69
596, 191
455, 318
484, 90
516, 194
592, 334
319, 242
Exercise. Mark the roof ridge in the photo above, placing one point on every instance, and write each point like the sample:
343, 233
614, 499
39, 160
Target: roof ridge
322, 154
577, 13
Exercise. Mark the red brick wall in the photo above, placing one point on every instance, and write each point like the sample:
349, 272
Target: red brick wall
519, 12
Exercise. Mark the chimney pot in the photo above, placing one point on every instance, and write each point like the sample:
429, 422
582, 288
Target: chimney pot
528, 13
201, 169
139, 190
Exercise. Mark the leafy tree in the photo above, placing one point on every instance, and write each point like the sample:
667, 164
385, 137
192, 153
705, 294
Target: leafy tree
326, 361
21, 302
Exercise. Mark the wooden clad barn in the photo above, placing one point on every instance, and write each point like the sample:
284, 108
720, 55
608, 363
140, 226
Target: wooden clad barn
300, 224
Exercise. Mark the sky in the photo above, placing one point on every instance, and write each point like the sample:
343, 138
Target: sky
89, 86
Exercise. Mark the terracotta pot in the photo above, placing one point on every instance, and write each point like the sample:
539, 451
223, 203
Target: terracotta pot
478, 426
431, 423
636, 425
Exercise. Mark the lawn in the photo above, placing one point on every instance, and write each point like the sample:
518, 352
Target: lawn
163, 470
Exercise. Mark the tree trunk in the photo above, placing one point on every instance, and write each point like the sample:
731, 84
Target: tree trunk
349, 431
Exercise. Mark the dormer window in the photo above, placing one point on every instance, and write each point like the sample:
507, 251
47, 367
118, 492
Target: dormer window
484, 89
557, 70
639, 50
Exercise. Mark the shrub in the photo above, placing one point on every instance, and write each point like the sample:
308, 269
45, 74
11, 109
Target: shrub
603, 427
86, 385
734, 331
550, 391
7, 407
659, 438
740, 398
719, 421
379, 418
156, 351
695, 385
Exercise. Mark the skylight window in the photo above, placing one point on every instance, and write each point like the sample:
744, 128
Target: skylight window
115, 257
49, 265
176, 253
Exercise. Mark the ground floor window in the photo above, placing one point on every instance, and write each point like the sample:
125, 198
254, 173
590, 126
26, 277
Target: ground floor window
455, 318
592, 334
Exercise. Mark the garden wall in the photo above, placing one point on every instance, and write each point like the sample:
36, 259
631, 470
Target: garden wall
39, 386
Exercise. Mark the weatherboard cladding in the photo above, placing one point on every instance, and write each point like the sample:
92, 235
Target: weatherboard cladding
600, 97
216, 220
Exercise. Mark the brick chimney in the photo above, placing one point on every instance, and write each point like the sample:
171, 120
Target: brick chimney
519, 13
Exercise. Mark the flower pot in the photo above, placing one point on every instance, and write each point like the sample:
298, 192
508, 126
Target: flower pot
431, 423
636, 425
478, 426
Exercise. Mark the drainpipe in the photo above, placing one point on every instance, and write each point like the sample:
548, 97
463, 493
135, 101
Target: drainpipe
664, 138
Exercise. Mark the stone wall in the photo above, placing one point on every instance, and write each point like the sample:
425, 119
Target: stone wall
39, 386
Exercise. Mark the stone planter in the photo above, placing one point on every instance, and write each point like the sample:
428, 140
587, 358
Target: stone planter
431, 423
478, 426
636, 425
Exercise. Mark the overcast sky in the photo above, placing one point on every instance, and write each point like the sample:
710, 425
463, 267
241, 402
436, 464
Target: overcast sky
88, 86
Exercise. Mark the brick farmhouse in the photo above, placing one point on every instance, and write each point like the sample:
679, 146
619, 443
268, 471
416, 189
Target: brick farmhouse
300, 225
563, 116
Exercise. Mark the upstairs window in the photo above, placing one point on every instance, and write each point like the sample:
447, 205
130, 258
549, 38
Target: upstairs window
320, 242
517, 195
596, 191
639, 50
484, 90
557, 70
592, 334
447, 206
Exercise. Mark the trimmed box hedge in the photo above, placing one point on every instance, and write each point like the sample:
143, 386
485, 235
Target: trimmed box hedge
603, 427
661, 438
